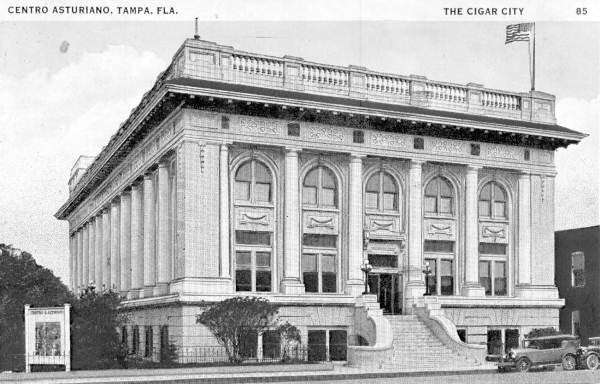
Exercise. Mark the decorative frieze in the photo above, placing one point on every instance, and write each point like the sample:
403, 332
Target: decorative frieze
326, 133
447, 146
493, 233
320, 222
503, 152
389, 140
440, 229
260, 126
254, 219
383, 226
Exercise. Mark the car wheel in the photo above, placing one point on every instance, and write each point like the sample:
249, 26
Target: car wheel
523, 364
592, 361
569, 362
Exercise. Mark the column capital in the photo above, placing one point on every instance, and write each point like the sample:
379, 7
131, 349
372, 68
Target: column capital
473, 168
415, 163
163, 164
148, 175
524, 174
356, 157
292, 150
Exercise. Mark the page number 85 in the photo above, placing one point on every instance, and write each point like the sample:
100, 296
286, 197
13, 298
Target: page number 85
581, 11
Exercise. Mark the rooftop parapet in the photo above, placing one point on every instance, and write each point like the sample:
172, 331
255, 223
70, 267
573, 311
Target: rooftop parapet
199, 59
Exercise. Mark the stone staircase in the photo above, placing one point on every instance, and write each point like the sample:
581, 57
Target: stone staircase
416, 347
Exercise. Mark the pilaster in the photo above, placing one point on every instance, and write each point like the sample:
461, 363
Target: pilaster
106, 276
137, 241
86, 255
471, 286
98, 252
415, 287
225, 265
163, 256
355, 283
291, 284
115, 264
125, 243
92, 251
524, 236
149, 236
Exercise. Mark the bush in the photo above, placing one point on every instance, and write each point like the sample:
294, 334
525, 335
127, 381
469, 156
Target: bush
538, 332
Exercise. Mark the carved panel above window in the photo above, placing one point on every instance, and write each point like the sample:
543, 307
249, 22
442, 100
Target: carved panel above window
440, 229
253, 219
493, 233
321, 222
380, 226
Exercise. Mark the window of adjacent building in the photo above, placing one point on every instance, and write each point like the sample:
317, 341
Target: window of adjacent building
319, 263
253, 183
149, 342
320, 188
576, 323
439, 197
253, 261
381, 192
492, 201
327, 345
577, 269
492, 277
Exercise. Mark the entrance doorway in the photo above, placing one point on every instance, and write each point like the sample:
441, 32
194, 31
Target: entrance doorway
387, 288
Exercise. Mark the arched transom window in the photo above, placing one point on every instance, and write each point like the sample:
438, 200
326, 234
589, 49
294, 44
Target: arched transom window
253, 183
381, 192
492, 201
320, 188
439, 197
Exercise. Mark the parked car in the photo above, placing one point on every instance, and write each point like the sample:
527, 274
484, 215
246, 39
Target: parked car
543, 351
589, 356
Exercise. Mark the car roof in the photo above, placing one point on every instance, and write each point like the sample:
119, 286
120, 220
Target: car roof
554, 337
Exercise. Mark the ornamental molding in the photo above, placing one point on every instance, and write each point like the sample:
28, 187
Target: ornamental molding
320, 222
254, 218
447, 146
204, 119
440, 229
260, 126
503, 152
389, 140
493, 232
326, 133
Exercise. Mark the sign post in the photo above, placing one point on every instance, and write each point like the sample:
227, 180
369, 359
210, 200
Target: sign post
47, 336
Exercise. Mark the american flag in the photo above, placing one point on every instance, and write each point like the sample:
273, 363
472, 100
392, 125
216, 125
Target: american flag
518, 32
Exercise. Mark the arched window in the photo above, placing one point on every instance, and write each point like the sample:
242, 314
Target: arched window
439, 197
492, 201
381, 192
253, 182
320, 188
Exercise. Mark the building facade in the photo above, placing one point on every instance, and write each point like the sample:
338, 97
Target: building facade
578, 280
245, 174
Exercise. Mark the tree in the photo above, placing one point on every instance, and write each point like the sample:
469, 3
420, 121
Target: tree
290, 337
538, 332
23, 281
96, 319
233, 320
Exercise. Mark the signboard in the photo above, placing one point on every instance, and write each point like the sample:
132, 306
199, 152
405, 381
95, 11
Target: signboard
47, 336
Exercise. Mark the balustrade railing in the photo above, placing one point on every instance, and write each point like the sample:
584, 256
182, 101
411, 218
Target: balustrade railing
201, 60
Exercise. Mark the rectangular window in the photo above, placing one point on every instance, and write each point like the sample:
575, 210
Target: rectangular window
319, 273
430, 204
484, 276
248, 344
576, 323
384, 261
499, 278
439, 246
310, 273
432, 279
446, 277
149, 342
446, 205
499, 209
136, 340
492, 249
309, 195
317, 345
578, 269
328, 195
319, 241
253, 238
389, 202
242, 190
243, 273
338, 345
262, 192
263, 271
484, 208
271, 344
328, 273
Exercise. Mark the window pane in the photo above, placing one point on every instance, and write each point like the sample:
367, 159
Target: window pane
432, 281
578, 260
384, 261
242, 258
338, 345
500, 286
309, 263
244, 173
499, 269
327, 263
263, 281
321, 241
484, 269
263, 259
243, 280
446, 268
371, 200
261, 173
388, 184
445, 188
445, 205
317, 346
262, 192
578, 277
499, 209
373, 183
439, 246
253, 238
390, 201
311, 179
248, 344
242, 190
484, 276
447, 287
309, 195
329, 197
311, 281
329, 282
430, 204
499, 194
484, 208
492, 249
432, 188
328, 179
486, 192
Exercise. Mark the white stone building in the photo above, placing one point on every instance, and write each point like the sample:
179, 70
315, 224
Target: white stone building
246, 174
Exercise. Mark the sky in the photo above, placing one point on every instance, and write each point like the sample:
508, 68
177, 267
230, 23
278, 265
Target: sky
56, 105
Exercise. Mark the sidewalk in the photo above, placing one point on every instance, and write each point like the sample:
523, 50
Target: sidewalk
240, 374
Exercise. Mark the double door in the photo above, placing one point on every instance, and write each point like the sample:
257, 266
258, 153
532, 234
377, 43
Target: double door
387, 287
